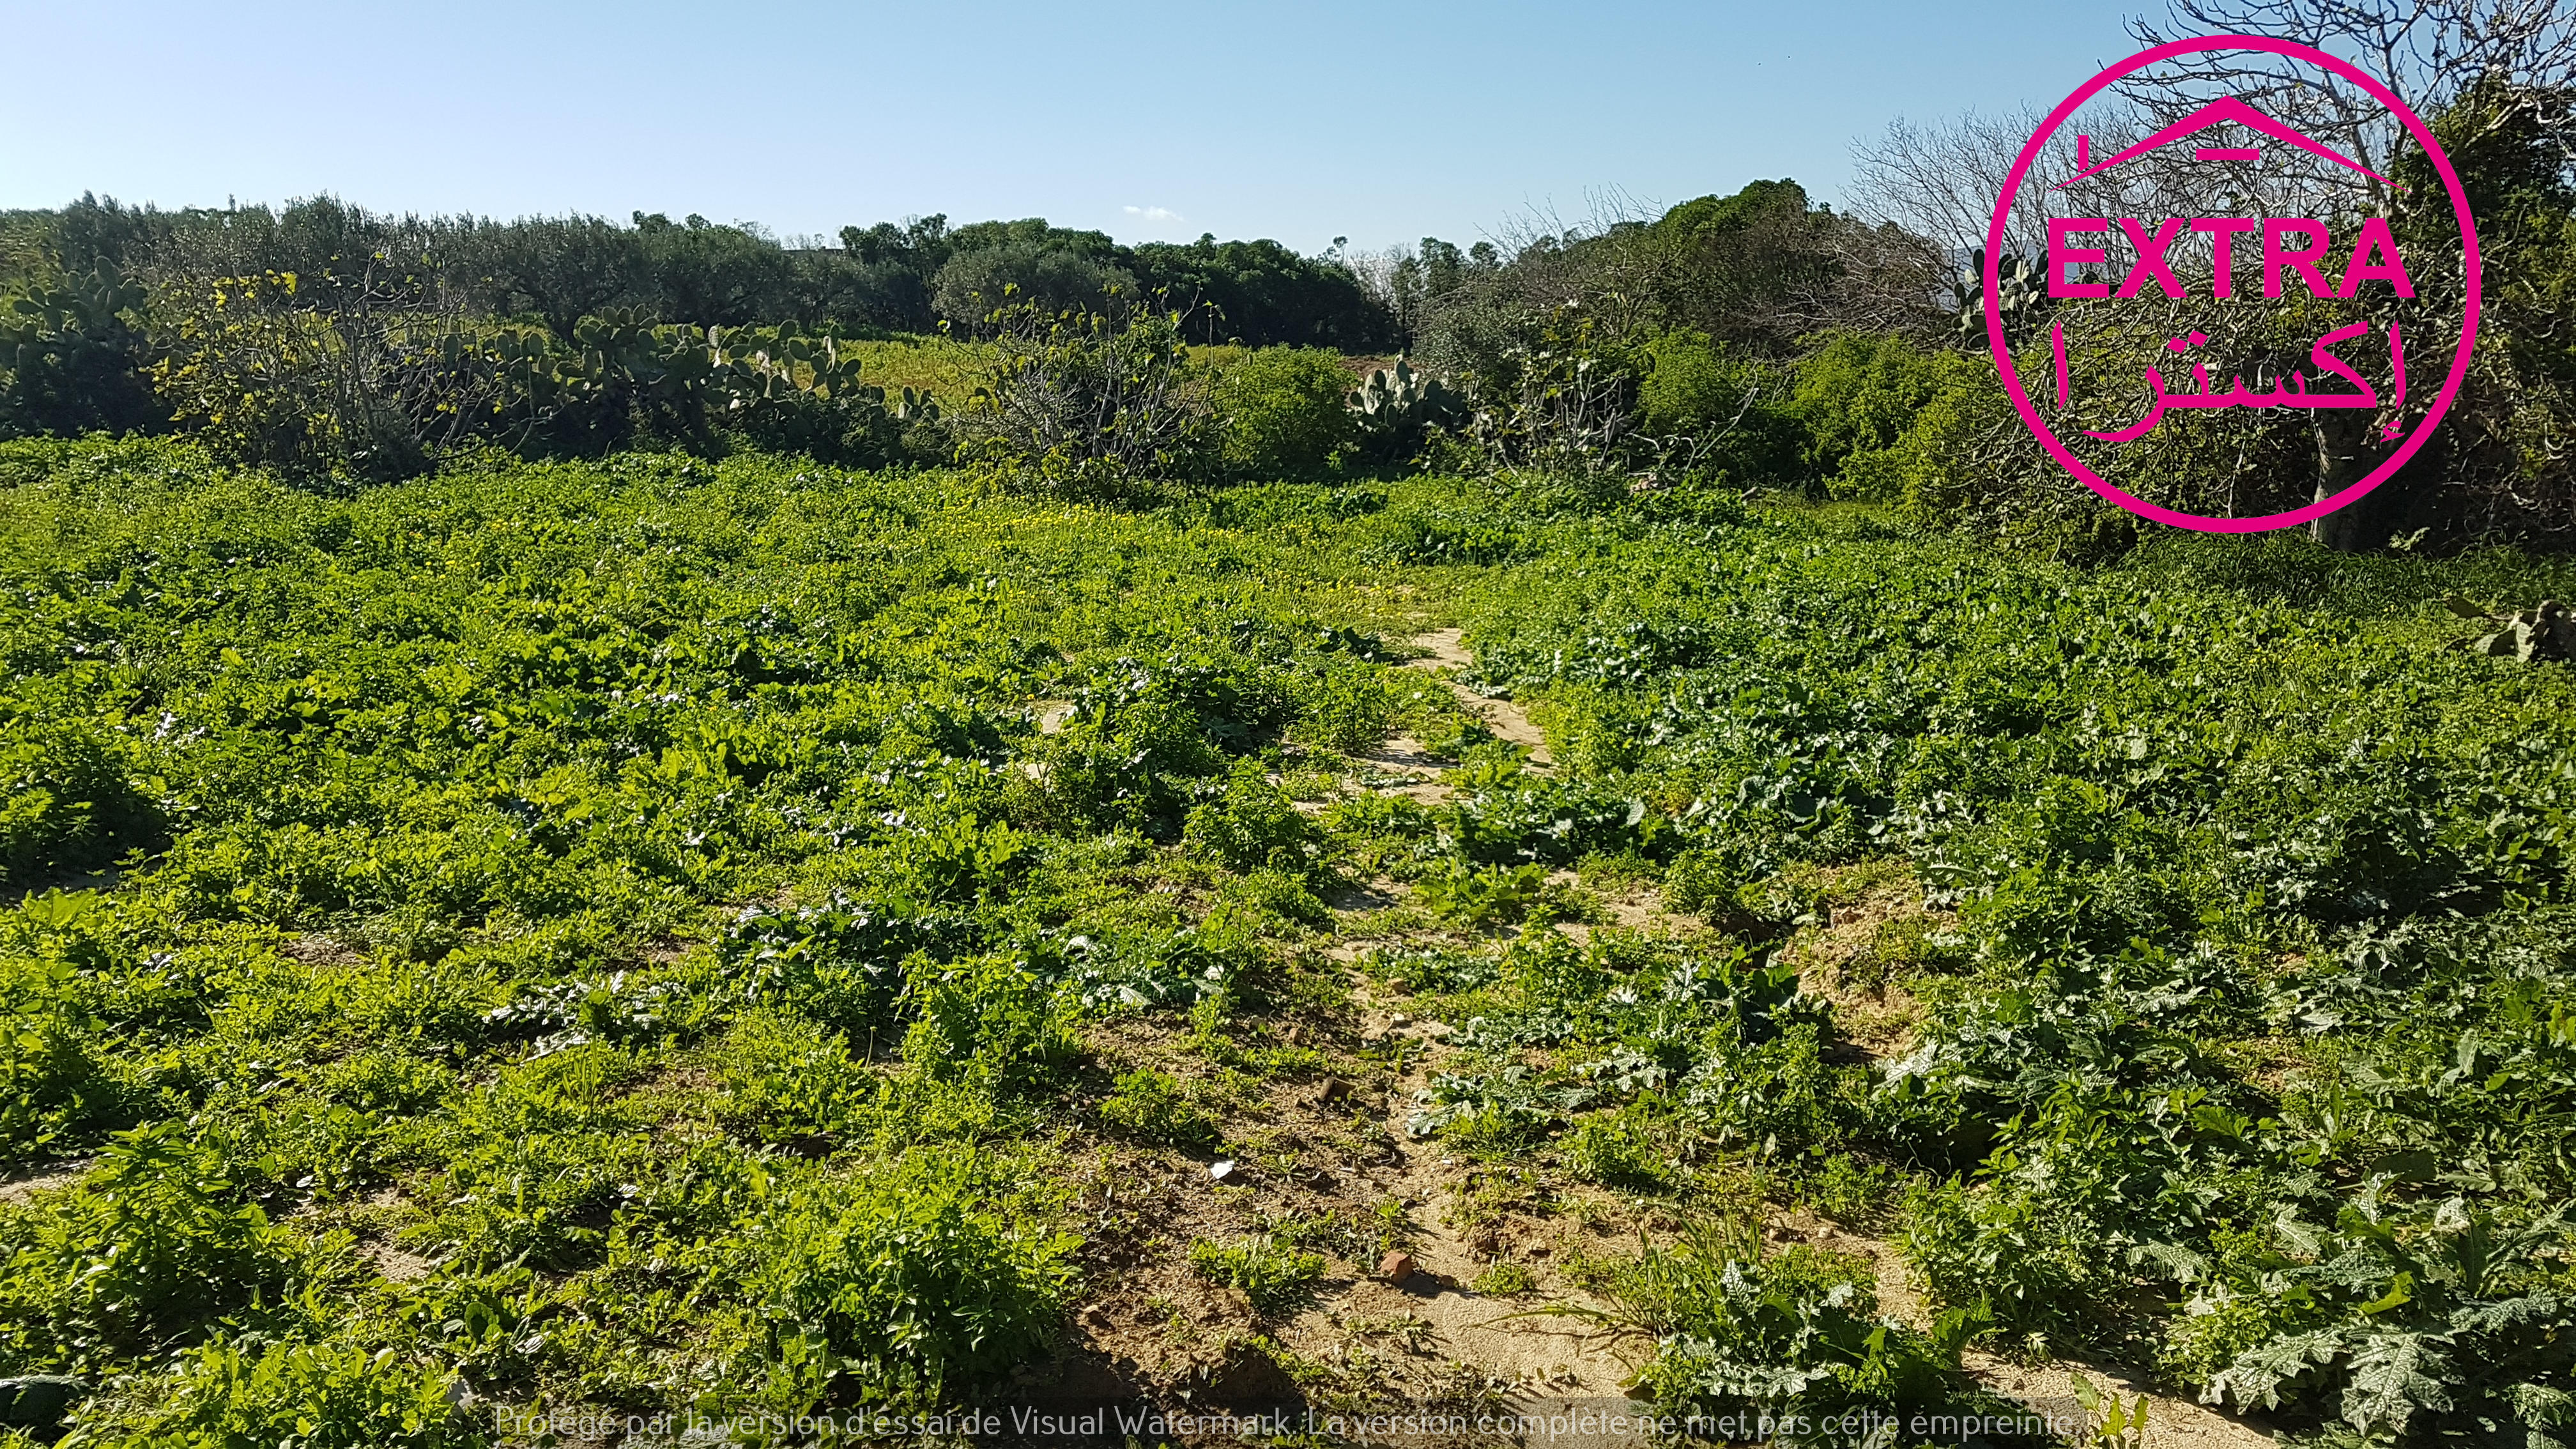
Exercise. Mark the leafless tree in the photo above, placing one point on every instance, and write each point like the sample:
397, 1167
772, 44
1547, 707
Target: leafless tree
2427, 51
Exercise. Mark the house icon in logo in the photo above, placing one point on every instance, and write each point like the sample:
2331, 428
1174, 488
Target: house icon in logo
2217, 112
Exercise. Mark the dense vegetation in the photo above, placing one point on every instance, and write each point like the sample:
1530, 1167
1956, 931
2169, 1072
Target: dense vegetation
619, 934
626, 819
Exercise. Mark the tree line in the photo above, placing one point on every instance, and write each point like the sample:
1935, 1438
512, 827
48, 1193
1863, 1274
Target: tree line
891, 277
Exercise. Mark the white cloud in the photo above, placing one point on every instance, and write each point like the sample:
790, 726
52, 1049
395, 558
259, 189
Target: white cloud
1155, 213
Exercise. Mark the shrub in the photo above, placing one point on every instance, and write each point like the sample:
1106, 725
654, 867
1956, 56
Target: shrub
51, 1083
1282, 413
790, 1077
1482, 896
1856, 396
1617, 1150
1739, 1329
1736, 405
69, 799
1347, 705
1083, 403
1253, 825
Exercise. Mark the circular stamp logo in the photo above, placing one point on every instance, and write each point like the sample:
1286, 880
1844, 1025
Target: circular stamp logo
2228, 228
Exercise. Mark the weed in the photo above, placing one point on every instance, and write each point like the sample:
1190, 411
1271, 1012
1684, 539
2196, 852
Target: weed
1153, 1107
1481, 897
1274, 1276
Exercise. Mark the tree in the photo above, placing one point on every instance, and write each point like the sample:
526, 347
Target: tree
564, 269
2495, 76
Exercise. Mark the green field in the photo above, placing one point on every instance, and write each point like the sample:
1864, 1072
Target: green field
655, 935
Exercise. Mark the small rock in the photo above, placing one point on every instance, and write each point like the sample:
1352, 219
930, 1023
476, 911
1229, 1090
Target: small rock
1395, 1267
1399, 1021
1222, 1170
1335, 1090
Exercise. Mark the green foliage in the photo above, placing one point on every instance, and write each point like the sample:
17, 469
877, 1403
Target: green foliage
1083, 402
1153, 1107
1856, 398
2547, 631
1275, 1276
1281, 413
673, 879
791, 1078
896, 1287
315, 1396
1482, 896
144, 1256
1738, 1329
1252, 825
1617, 1150
1737, 404
71, 358
1393, 413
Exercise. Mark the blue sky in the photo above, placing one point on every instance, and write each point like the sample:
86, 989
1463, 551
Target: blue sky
1382, 122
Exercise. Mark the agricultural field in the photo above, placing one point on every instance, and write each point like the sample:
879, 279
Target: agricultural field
664, 935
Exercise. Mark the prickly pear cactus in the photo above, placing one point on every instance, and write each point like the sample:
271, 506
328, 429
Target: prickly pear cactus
2022, 293
77, 317
2546, 631
912, 407
1394, 409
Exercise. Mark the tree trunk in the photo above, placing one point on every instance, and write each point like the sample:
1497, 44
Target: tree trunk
2341, 461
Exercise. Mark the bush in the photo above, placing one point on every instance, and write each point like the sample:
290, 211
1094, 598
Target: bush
791, 1078
52, 1083
1617, 1150
69, 799
1283, 414
1253, 825
1693, 386
1085, 404
1857, 395
1483, 896
1740, 1330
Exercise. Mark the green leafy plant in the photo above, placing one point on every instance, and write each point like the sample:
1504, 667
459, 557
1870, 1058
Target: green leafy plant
1153, 1106
1282, 413
1275, 1276
1083, 402
1482, 896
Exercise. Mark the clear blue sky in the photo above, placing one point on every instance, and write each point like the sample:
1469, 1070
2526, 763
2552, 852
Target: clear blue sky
1383, 122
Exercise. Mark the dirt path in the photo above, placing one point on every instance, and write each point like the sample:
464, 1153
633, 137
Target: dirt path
1506, 719
1560, 1357
1551, 1361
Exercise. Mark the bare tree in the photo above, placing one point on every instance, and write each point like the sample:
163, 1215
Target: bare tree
2426, 51
2432, 54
